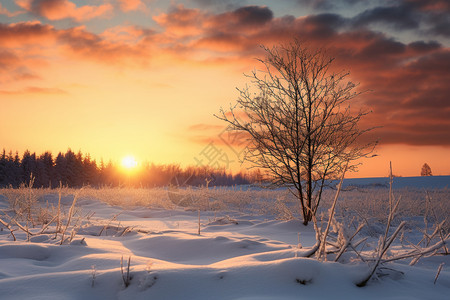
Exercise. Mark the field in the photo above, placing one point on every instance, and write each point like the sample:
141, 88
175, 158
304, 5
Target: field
221, 243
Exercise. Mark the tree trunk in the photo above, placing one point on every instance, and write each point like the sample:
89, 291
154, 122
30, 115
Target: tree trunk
307, 216
305, 211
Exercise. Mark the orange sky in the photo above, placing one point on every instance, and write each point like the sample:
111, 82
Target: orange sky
114, 78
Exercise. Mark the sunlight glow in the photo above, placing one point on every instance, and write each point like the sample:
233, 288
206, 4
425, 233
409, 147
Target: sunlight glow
128, 162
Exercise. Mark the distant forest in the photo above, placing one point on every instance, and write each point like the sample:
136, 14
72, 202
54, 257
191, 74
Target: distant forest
76, 170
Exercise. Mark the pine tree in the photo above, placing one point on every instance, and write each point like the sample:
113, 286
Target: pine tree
29, 166
3, 175
426, 170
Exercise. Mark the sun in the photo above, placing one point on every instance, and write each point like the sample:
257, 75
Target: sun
128, 162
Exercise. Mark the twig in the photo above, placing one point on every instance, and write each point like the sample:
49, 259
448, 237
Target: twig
8, 225
348, 242
114, 217
438, 272
385, 241
94, 275
126, 278
322, 248
199, 222
70, 215
382, 251
48, 224
419, 253
58, 223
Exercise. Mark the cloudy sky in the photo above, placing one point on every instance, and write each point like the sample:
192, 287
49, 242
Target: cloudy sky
144, 77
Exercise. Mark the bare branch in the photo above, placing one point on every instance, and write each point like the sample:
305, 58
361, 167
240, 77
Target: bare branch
297, 117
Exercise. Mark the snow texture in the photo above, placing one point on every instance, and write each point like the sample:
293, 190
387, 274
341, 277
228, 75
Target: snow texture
236, 256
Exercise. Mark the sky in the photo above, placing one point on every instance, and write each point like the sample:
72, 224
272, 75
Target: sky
145, 77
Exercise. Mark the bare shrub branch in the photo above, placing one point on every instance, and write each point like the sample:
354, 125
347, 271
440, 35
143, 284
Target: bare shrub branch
297, 117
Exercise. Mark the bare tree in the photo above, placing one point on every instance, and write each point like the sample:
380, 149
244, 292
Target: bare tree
426, 170
295, 115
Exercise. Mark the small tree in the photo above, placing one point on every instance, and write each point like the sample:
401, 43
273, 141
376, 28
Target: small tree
294, 115
426, 170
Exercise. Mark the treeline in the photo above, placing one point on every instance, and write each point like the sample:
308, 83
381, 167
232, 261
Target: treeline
76, 170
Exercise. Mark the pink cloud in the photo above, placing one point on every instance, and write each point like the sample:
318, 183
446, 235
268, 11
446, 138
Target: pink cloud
64, 9
408, 80
181, 21
17, 34
131, 5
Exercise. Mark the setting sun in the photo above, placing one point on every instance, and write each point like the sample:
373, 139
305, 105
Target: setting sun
128, 162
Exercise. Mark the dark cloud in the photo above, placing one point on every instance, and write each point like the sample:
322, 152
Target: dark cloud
411, 100
436, 64
331, 4
439, 6
381, 48
322, 25
437, 136
239, 19
440, 25
421, 46
431, 17
221, 4
317, 4
400, 17
252, 15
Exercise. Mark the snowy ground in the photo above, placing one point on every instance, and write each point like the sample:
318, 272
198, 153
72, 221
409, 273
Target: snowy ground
239, 254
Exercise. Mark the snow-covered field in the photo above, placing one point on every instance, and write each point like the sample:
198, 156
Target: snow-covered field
248, 246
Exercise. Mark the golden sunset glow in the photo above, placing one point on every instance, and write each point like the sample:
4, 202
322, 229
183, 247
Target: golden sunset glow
129, 162
149, 76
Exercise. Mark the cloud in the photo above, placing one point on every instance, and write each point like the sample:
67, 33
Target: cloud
408, 79
131, 5
241, 30
25, 33
129, 45
400, 17
228, 4
21, 50
330, 4
247, 16
410, 99
8, 59
431, 17
184, 21
117, 43
34, 90
181, 21
430, 5
28, 48
4, 11
426, 17
65, 9
13, 68
126, 34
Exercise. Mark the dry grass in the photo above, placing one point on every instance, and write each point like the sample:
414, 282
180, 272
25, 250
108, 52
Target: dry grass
38, 207
370, 203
